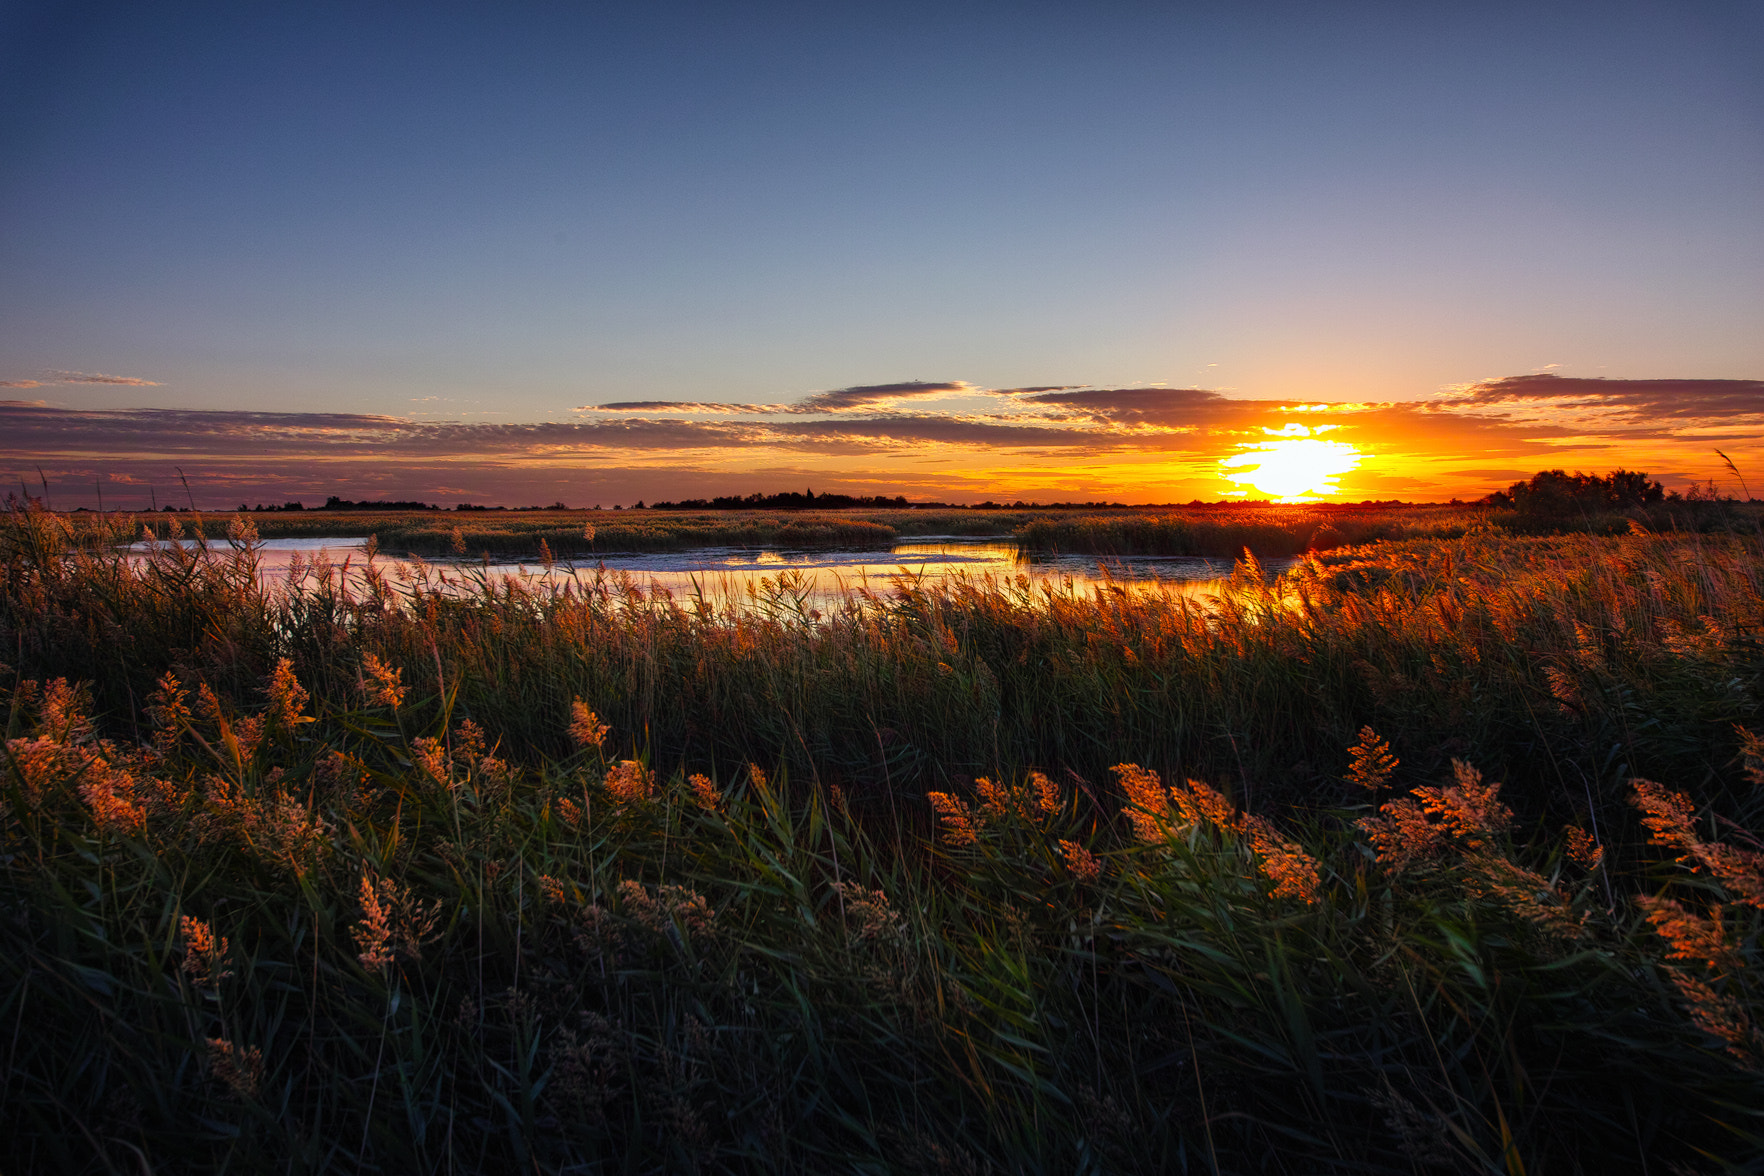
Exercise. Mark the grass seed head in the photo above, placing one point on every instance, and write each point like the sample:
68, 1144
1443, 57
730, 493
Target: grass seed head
1692, 938
239, 1068
705, 792
393, 926
961, 826
205, 953
1370, 762
1084, 865
1148, 805
383, 685
629, 782
1721, 1017
1583, 851
586, 729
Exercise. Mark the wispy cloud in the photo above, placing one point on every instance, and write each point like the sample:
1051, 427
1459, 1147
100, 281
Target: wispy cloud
684, 406
866, 395
1178, 408
1634, 399
859, 398
21, 383
58, 377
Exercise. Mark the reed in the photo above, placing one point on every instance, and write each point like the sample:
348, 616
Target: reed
1217, 530
326, 941
1565, 664
360, 872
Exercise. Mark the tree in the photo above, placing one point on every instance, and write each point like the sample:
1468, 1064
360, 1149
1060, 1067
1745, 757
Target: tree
1632, 488
1555, 492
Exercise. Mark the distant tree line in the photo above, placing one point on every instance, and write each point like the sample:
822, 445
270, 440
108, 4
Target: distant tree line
1555, 492
336, 503
809, 500
787, 500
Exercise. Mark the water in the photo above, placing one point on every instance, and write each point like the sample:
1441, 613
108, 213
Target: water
728, 571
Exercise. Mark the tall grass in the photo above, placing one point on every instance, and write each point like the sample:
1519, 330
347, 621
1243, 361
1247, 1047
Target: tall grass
1565, 664
1269, 531
313, 938
364, 904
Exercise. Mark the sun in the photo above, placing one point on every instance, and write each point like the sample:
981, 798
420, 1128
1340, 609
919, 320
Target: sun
1297, 467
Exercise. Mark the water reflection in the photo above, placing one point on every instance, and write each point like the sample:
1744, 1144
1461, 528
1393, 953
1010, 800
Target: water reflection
727, 571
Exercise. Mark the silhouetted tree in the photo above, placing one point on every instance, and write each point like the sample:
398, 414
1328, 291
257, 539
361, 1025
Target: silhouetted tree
1554, 492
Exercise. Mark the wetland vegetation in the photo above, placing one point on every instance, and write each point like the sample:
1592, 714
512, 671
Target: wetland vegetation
1434, 852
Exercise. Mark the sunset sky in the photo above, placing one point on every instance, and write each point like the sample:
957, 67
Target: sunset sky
519, 253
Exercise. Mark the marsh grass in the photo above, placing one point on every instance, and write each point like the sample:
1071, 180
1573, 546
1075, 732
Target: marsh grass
344, 945
1565, 664
1217, 530
437, 880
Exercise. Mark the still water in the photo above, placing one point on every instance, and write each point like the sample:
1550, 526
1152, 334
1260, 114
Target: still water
727, 571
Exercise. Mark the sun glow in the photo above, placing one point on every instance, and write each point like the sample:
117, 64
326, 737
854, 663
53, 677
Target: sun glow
1297, 467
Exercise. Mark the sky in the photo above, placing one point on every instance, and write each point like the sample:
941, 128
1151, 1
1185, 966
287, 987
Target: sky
524, 253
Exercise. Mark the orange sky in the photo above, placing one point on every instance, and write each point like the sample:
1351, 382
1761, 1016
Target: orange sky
946, 440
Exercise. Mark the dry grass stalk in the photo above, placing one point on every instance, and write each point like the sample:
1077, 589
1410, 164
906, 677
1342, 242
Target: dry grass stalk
629, 782
287, 698
586, 729
204, 953
382, 685
705, 792
960, 825
1085, 866
1668, 816
239, 1068
669, 907
1721, 1017
394, 926
1370, 762
1583, 850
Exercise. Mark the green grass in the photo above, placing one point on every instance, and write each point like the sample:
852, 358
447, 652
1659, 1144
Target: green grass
1493, 1006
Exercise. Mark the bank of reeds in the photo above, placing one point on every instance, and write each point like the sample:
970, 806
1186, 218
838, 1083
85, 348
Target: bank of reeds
345, 933
1565, 664
1268, 531
575, 534
394, 873
1273, 531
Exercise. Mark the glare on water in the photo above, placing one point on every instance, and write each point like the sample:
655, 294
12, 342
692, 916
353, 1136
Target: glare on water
727, 572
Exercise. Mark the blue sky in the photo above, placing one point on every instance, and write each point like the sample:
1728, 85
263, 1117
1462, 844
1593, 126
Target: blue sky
505, 213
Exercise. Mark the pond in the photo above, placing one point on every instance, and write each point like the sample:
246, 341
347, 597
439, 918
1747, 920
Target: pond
726, 571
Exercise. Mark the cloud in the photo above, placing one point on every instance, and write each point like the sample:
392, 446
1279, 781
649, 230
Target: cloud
30, 428
854, 399
1166, 407
864, 395
683, 406
20, 384
100, 378
1131, 443
1630, 399
904, 428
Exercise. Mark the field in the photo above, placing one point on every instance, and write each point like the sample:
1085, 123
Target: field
1434, 853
